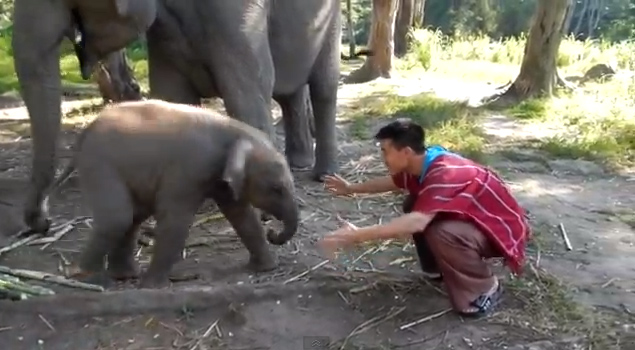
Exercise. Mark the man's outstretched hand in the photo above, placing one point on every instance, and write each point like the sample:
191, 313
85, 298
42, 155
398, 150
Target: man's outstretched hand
337, 185
340, 238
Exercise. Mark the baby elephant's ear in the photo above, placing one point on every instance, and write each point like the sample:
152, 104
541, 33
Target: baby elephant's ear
234, 174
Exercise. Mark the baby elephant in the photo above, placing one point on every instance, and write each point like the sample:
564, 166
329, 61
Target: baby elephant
154, 158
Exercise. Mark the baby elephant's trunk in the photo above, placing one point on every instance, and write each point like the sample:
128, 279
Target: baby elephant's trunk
290, 219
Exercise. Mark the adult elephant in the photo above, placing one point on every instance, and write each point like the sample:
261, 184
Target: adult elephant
39, 27
197, 49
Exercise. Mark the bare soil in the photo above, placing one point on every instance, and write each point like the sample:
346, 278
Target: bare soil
358, 302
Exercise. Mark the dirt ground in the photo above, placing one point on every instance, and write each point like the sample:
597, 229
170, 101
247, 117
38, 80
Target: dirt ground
366, 300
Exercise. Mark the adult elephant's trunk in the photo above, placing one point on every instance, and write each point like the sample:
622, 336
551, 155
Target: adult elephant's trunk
290, 219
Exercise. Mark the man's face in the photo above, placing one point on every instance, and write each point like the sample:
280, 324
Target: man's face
396, 160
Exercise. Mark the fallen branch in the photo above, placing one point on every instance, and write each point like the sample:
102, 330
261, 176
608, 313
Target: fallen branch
47, 277
141, 301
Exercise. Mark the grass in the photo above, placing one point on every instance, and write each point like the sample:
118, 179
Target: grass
595, 122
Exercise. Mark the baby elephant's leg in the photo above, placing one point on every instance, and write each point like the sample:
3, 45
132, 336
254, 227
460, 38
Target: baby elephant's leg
246, 222
112, 217
121, 259
170, 234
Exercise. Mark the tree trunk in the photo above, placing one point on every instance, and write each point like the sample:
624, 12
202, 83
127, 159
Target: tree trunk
538, 73
418, 12
380, 43
350, 30
405, 15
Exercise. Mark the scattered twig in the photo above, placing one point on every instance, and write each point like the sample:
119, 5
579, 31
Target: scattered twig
425, 319
47, 277
296, 277
627, 310
373, 322
205, 335
172, 328
212, 217
46, 322
18, 243
54, 238
60, 230
609, 282
565, 237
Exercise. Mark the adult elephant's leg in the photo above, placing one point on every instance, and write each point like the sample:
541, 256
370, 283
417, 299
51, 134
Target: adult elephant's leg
36, 57
323, 84
166, 81
237, 51
297, 128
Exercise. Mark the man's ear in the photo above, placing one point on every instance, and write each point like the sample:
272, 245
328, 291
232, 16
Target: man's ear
234, 174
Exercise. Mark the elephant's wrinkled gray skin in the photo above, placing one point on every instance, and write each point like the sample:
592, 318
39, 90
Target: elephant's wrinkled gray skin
155, 158
248, 51
38, 29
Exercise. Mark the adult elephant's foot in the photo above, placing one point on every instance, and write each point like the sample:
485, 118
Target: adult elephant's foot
262, 263
36, 217
300, 160
320, 172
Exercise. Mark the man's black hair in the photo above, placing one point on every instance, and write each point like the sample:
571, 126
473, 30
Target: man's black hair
403, 132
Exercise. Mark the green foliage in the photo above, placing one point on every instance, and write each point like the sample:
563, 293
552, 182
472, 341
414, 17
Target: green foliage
529, 109
595, 123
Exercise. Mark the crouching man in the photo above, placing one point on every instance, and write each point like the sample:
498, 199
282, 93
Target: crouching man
457, 212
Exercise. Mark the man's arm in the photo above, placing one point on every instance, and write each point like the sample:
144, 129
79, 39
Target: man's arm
377, 185
401, 227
